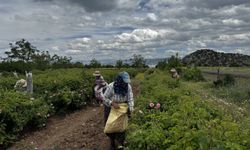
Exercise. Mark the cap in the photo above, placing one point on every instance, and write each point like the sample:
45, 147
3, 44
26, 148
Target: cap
125, 76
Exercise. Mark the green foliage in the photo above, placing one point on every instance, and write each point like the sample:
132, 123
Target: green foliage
228, 80
18, 66
55, 92
192, 74
23, 56
21, 50
239, 93
94, 64
119, 64
174, 62
138, 61
18, 111
64, 89
7, 82
162, 65
185, 121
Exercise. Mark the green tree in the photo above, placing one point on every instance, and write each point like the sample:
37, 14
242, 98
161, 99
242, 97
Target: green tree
119, 64
78, 64
162, 64
138, 61
61, 61
42, 60
174, 62
94, 64
21, 50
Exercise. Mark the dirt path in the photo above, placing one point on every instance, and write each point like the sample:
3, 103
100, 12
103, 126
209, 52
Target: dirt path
80, 130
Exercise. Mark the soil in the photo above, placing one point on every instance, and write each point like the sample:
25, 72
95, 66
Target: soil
80, 130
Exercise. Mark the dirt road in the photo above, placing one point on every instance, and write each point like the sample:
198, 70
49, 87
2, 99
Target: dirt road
80, 130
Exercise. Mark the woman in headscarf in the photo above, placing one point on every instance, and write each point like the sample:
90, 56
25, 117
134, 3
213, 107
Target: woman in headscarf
99, 87
118, 92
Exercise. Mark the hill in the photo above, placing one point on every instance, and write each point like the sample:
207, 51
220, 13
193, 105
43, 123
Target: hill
207, 57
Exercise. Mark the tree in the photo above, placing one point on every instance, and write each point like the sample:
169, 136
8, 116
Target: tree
162, 64
94, 63
21, 50
138, 61
78, 65
119, 64
174, 61
42, 60
60, 61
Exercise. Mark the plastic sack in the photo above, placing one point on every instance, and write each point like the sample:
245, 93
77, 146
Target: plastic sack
117, 120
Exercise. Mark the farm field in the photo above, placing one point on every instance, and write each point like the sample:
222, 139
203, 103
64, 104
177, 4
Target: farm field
243, 72
192, 115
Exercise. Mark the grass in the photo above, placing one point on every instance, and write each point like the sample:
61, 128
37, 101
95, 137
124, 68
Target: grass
238, 94
227, 69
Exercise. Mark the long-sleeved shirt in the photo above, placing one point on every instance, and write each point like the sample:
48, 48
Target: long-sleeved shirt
110, 96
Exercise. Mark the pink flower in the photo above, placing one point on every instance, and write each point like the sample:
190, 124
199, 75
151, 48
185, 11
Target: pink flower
151, 105
158, 106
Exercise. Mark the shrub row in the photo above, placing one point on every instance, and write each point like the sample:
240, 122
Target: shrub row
17, 111
55, 92
184, 121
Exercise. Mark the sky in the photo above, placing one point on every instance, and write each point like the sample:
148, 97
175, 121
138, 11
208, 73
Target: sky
117, 29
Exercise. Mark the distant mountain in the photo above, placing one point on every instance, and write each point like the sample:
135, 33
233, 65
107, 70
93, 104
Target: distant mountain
207, 57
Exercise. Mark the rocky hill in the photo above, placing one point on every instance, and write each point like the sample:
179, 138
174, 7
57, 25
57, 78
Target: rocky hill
206, 57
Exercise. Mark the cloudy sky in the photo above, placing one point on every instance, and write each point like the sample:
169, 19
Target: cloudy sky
117, 29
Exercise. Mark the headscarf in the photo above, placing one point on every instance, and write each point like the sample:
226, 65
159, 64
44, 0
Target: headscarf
120, 87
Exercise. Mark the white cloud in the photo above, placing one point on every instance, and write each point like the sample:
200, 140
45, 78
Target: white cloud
233, 38
55, 48
78, 46
232, 21
152, 17
238, 50
84, 40
73, 52
138, 35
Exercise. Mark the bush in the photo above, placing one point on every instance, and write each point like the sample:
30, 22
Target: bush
228, 80
7, 82
192, 74
185, 121
162, 65
18, 111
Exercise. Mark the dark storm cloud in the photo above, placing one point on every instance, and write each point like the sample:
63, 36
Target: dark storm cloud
96, 5
143, 5
89, 5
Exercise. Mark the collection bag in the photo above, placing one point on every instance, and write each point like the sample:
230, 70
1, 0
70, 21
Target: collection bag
117, 120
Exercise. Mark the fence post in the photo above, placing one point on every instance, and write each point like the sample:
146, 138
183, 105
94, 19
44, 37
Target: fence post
29, 83
15, 74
